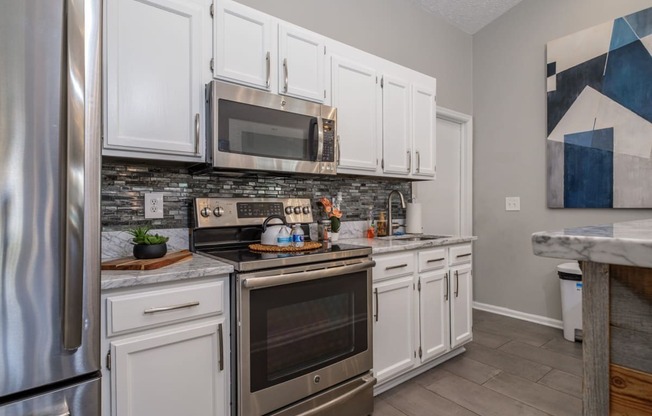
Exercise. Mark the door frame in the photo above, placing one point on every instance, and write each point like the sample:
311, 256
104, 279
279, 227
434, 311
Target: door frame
466, 165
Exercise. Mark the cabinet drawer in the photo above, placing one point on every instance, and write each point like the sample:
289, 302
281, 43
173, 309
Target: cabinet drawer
460, 254
393, 265
126, 313
432, 259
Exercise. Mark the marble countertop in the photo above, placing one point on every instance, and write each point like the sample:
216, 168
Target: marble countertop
380, 245
198, 266
625, 243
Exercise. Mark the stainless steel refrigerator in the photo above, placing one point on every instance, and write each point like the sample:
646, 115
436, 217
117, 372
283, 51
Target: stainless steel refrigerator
49, 207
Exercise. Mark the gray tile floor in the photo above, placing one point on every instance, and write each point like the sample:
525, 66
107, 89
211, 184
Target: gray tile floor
512, 367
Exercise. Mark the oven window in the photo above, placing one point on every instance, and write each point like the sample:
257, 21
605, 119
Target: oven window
258, 131
299, 328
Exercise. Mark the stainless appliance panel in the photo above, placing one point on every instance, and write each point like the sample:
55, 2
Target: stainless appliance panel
49, 192
260, 99
81, 399
293, 387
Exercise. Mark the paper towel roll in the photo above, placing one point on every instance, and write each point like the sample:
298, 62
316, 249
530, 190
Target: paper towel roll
413, 220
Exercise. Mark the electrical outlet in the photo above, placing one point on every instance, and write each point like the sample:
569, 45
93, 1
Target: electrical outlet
154, 205
512, 203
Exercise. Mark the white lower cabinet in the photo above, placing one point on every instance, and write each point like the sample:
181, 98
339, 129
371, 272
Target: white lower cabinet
167, 350
422, 307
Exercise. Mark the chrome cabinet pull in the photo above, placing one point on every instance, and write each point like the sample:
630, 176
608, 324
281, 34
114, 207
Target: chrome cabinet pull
197, 133
221, 339
285, 70
418, 161
409, 159
171, 307
396, 267
376, 293
463, 255
446, 282
268, 67
73, 260
434, 260
457, 283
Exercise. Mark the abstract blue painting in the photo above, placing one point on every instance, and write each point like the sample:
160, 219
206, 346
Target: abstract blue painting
599, 138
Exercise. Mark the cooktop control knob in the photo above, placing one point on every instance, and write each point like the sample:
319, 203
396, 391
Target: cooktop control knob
289, 210
205, 212
306, 210
297, 210
218, 211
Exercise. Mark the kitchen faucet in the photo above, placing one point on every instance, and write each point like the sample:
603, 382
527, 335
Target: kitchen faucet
390, 225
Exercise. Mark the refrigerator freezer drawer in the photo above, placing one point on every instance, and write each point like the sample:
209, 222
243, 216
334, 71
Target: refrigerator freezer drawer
81, 399
127, 313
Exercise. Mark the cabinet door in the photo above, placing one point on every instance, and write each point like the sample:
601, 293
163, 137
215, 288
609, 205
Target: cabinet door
434, 314
397, 155
301, 63
461, 295
154, 86
170, 373
424, 116
355, 95
394, 327
244, 45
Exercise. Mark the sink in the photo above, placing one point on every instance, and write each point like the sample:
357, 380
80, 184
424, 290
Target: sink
414, 237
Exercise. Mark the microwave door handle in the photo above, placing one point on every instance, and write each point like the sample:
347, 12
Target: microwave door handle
320, 139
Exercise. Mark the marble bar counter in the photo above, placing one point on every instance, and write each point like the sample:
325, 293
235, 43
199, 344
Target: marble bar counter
399, 243
198, 266
616, 262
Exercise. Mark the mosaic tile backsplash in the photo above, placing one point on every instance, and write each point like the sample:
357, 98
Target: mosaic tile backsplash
124, 183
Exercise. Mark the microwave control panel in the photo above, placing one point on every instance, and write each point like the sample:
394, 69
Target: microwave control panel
328, 154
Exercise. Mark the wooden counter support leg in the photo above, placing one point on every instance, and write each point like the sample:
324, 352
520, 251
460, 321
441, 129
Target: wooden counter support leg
595, 323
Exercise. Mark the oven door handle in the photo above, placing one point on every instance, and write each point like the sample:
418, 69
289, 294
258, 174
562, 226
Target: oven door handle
302, 276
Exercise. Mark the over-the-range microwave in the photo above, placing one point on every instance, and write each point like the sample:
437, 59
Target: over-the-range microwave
252, 130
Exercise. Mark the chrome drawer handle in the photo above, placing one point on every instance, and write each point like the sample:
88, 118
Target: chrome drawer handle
221, 339
396, 267
376, 293
434, 260
463, 255
171, 307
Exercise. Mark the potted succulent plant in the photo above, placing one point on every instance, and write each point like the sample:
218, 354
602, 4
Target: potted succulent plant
148, 246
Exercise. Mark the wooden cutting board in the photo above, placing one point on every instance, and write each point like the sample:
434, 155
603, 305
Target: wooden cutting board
131, 263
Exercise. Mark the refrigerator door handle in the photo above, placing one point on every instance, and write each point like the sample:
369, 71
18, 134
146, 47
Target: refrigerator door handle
73, 264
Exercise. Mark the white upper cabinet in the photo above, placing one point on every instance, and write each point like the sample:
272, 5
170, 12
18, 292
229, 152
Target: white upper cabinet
424, 116
301, 63
355, 94
397, 152
155, 70
244, 45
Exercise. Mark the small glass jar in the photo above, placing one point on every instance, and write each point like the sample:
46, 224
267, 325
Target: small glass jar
324, 230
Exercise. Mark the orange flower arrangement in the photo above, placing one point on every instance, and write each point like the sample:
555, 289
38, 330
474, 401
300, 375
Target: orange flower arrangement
334, 214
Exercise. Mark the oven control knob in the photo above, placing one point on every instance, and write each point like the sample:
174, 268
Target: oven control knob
297, 210
306, 210
205, 212
289, 210
317, 379
218, 211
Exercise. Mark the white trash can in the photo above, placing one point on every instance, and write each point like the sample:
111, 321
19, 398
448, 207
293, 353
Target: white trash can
570, 279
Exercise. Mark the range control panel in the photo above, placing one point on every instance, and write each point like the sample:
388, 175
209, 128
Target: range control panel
230, 212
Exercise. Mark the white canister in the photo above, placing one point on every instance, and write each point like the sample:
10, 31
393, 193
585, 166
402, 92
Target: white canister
413, 221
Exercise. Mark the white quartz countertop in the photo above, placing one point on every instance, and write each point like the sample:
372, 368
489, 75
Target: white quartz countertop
380, 245
198, 266
625, 243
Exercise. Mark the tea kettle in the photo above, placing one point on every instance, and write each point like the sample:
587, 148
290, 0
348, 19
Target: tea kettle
271, 231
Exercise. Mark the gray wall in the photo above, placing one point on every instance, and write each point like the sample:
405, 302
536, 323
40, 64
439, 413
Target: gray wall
509, 91
397, 30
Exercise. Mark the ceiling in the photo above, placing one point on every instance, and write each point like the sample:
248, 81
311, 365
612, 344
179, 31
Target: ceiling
468, 15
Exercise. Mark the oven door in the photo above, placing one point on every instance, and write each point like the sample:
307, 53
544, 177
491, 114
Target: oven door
302, 330
256, 130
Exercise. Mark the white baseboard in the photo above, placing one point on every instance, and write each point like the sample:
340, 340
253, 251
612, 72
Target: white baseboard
537, 319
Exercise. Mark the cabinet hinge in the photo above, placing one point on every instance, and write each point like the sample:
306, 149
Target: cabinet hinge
212, 10
212, 64
419, 286
108, 360
324, 93
420, 352
415, 354
324, 49
382, 163
382, 82
376, 80
376, 161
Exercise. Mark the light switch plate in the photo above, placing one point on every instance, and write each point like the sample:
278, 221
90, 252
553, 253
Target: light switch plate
512, 203
154, 205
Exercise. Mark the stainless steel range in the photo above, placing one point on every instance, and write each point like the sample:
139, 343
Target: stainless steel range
302, 341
